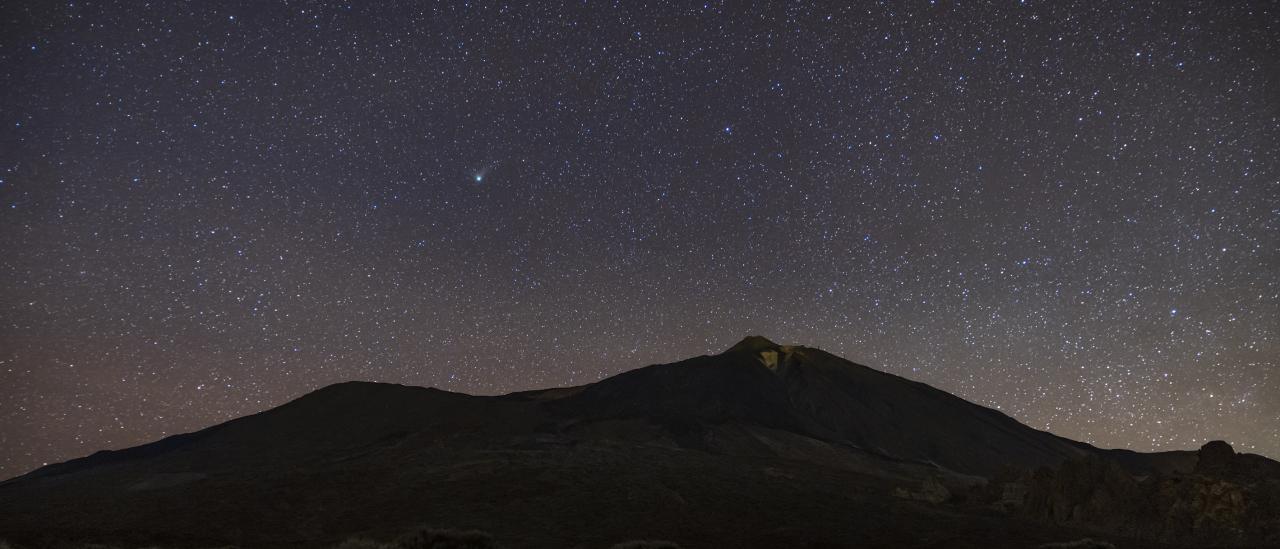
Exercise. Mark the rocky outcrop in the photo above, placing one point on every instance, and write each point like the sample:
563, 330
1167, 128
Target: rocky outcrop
1086, 492
1215, 459
1229, 499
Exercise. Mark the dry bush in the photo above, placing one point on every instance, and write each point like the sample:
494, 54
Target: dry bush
427, 538
360, 543
431, 538
1086, 543
646, 544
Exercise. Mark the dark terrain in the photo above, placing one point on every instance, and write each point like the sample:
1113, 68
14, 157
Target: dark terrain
760, 446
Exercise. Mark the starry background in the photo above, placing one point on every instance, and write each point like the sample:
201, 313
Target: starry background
1066, 210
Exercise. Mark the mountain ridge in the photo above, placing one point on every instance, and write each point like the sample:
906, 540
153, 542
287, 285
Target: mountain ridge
715, 439
753, 346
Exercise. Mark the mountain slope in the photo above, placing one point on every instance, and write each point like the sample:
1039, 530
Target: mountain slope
760, 446
811, 392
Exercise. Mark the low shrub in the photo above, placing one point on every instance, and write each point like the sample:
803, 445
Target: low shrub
431, 538
1086, 543
360, 543
427, 538
646, 544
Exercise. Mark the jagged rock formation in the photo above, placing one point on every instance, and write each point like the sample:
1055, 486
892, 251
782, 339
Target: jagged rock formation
1229, 498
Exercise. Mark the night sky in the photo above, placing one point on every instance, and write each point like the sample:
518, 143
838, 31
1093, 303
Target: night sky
1066, 210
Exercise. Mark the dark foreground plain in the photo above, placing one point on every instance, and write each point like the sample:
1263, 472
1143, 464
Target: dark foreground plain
760, 446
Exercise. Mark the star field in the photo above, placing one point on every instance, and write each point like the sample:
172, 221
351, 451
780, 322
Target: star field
1069, 210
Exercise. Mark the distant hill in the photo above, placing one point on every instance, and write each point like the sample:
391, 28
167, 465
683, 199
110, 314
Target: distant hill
763, 445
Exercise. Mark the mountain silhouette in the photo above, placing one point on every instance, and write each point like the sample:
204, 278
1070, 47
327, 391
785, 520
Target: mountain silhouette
762, 445
813, 393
